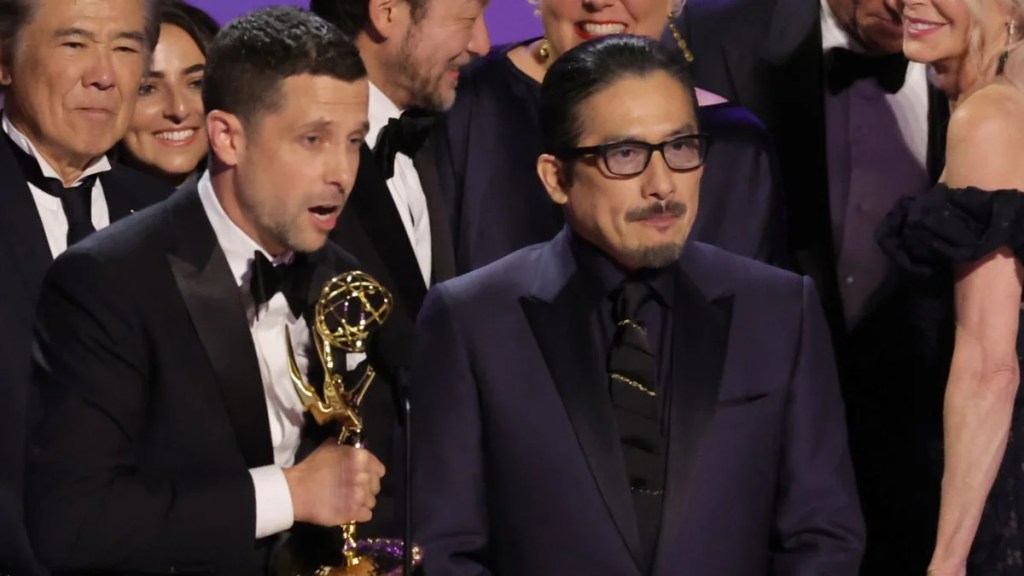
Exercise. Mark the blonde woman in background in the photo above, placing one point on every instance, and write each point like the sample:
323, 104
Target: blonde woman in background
969, 232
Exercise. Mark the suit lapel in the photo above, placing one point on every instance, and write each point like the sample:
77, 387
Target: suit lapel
442, 250
562, 328
372, 205
121, 201
214, 303
801, 132
699, 345
26, 241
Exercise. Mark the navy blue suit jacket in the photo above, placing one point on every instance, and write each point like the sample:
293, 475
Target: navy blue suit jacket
517, 465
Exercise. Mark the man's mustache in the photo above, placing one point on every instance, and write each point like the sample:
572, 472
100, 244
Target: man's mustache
669, 207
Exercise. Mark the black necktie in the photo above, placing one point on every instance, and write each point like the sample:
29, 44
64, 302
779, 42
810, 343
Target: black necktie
844, 67
292, 280
75, 201
632, 369
405, 134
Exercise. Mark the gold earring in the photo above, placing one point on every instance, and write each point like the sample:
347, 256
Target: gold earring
687, 55
544, 50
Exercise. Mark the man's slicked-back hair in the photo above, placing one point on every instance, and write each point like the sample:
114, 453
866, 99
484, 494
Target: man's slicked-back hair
591, 67
252, 56
14, 14
353, 16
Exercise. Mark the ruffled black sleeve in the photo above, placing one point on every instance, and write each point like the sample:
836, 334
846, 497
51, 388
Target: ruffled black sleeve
925, 234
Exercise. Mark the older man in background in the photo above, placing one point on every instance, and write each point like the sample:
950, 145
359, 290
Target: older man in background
71, 70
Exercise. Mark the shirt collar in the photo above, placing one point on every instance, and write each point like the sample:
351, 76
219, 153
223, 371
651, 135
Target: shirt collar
380, 111
100, 165
609, 276
238, 247
832, 34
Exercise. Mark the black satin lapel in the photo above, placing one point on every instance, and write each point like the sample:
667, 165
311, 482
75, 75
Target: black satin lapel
120, 200
26, 241
215, 305
938, 123
699, 346
562, 330
371, 203
801, 139
321, 275
441, 246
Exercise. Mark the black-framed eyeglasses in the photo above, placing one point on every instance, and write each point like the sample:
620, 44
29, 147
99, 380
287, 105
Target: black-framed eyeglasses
631, 157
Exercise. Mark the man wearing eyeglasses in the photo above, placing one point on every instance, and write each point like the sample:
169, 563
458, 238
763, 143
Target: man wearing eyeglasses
619, 401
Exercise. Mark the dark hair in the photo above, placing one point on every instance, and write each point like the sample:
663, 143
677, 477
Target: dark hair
251, 57
353, 16
591, 67
14, 14
200, 27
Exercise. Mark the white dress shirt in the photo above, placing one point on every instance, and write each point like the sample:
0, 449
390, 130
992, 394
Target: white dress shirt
274, 512
405, 186
55, 222
877, 149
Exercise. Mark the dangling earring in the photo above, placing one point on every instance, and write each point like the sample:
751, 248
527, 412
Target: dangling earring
687, 55
544, 50
1011, 32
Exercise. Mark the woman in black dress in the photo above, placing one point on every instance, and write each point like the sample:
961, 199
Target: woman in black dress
968, 233
488, 148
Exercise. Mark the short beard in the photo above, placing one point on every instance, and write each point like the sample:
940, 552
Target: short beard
424, 92
272, 227
653, 256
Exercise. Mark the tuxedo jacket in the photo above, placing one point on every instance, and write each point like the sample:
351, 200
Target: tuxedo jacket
371, 229
517, 465
767, 55
152, 404
24, 258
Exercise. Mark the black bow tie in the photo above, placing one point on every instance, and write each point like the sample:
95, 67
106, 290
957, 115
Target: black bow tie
844, 67
76, 202
292, 280
405, 134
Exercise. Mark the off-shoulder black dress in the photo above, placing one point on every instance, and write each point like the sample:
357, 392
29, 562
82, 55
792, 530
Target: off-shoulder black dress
924, 236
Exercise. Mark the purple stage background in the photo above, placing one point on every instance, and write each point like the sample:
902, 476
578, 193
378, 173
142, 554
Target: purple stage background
507, 20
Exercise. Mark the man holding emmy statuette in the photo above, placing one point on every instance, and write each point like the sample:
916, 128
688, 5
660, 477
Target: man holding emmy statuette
396, 223
620, 401
172, 433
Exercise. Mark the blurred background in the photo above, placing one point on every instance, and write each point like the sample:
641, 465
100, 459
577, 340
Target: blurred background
507, 20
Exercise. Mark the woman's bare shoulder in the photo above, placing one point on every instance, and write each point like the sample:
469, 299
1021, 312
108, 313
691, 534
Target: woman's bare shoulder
985, 140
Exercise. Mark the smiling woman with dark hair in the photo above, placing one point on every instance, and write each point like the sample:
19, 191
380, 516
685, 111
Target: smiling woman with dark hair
167, 133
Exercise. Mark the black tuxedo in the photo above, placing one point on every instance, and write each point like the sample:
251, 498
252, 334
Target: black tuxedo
767, 55
371, 229
24, 258
153, 403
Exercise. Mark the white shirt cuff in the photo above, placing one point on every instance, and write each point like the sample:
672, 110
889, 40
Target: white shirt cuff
274, 511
